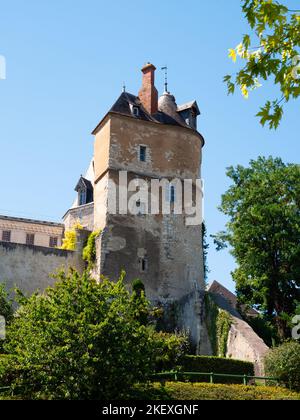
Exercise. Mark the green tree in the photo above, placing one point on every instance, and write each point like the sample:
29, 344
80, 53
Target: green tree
263, 206
271, 52
283, 362
6, 309
81, 340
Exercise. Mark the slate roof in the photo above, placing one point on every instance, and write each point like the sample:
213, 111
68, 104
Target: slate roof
122, 106
126, 100
31, 221
224, 295
85, 182
188, 105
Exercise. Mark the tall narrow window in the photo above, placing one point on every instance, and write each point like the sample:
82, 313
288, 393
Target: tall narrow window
82, 197
143, 265
143, 153
172, 194
29, 239
6, 236
53, 242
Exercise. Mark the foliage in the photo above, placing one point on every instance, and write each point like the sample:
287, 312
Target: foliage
264, 329
138, 287
89, 251
205, 364
199, 391
271, 53
69, 241
218, 324
82, 340
172, 349
263, 205
6, 309
224, 322
283, 362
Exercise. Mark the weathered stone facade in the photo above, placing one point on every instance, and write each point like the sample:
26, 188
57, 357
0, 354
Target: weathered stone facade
170, 250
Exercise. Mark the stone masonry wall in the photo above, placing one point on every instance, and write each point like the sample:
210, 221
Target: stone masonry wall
29, 268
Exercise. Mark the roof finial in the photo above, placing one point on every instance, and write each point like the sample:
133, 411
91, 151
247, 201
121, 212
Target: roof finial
124, 87
166, 78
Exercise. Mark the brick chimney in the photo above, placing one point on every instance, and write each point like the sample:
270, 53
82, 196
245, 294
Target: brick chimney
148, 93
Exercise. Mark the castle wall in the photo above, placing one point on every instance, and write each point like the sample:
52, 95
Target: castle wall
29, 268
244, 344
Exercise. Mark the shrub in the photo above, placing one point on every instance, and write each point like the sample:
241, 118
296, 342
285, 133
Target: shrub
217, 365
69, 241
81, 340
283, 362
199, 392
172, 347
6, 309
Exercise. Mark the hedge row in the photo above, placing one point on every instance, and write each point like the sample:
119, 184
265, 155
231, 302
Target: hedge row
186, 391
217, 365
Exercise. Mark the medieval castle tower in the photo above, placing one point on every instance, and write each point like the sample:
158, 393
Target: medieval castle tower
148, 138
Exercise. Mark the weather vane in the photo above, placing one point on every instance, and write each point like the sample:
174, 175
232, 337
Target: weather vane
165, 68
124, 87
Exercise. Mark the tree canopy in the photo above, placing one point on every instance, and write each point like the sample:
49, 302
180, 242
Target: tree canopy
270, 52
83, 339
263, 206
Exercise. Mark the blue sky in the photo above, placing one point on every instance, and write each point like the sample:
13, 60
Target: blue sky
66, 63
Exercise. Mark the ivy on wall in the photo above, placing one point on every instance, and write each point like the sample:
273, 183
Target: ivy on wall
89, 251
218, 324
224, 322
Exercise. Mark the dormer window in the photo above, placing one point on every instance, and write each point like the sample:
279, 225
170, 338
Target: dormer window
85, 191
136, 111
189, 112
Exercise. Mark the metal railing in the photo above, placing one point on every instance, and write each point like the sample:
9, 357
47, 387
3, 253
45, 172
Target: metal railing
245, 379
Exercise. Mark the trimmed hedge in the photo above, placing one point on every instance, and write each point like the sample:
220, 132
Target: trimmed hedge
220, 365
182, 391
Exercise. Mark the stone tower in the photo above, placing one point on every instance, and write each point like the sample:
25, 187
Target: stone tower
147, 139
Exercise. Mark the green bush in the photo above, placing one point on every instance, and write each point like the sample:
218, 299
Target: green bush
199, 392
217, 365
283, 362
81, 340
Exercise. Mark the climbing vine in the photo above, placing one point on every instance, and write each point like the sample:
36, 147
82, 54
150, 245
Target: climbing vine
223, 327
218, 324
89, 251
